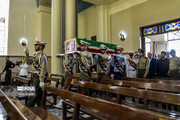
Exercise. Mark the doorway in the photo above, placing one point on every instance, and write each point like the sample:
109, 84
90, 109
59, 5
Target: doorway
161, 37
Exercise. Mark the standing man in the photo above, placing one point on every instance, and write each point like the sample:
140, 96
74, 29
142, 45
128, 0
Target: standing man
8, 67
143, 65
118, 63
174, 65
163, 65
131, 65
39, 68
68, 65
152, 66
103, 60
85, 58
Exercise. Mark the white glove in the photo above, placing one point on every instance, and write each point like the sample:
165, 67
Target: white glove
41, 84
26, 50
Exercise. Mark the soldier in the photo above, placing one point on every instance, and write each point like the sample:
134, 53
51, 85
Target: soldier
131, 65
174, 65
39, 69
143, 65
118, 63
103, 60
85, 58
68, 65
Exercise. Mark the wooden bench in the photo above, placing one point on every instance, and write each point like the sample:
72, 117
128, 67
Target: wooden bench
50, 80
25, 82
58, 76
147, 86
101, 109
146, 95
17, 111
152, 80
12, 77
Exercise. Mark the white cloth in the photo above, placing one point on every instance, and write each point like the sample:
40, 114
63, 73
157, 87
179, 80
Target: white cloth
41, 84
130, 71
23, 69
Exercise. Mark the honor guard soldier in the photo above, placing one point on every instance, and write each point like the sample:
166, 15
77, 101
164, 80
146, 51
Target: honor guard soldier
85, 59
143, 65
39, 69
103, 60
118, 63
174, 64
68, 65
131, 65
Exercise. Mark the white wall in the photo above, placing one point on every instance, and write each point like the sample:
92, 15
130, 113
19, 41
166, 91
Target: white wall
26, 20
87, 23
127, 16
149, 12
22, 23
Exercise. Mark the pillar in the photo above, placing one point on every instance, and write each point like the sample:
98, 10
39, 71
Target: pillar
71, 19
57, 35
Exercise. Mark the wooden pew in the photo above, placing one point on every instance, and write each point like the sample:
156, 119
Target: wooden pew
101, 109
17, 111
152, 80
147, 86
146, 95
58, 76
12, 77
25, 82
56, 80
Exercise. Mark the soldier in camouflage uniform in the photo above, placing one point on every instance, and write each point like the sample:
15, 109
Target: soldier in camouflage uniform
103, 60
85, 63
174, 65
143, 65
39, 68
68, 65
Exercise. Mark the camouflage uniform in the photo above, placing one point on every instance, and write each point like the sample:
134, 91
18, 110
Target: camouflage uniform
174, 64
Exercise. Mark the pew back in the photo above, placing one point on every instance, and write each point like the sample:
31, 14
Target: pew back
147, 86
116, 110
152, 80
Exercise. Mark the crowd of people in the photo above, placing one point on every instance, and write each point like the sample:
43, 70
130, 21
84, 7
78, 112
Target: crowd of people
106, 66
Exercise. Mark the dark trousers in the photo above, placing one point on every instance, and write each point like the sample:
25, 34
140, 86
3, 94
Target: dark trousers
38, 92
8, 77
174, 73
85, 78
101, 77
141, 73
117, 76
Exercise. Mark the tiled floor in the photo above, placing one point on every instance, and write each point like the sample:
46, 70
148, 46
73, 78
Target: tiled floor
3, 114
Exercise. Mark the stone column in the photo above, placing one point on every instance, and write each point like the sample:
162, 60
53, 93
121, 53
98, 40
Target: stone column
57, 35
70, 19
